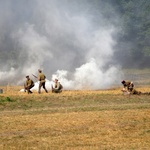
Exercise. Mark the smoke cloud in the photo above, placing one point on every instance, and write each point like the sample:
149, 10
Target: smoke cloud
66, 39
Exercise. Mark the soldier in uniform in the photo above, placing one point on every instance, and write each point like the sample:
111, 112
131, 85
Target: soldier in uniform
28, 85
57, 87
41, 78
128, 85
129, 88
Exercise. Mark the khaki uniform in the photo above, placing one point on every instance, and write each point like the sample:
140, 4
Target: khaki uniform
128, 85
28, 85
29, 82
41, 78
129, 88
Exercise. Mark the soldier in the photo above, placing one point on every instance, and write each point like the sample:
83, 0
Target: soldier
136, 92
58, 87
128, 85
129, 88
28, 85
41, 78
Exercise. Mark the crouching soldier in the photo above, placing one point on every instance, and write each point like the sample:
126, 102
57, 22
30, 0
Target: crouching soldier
129, 88
57, 87
28, 85
128, 85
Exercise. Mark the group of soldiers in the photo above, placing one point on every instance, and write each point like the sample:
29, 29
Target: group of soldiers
128, 86
29, 84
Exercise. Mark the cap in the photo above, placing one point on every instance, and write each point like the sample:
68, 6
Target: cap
39, 70
123, 81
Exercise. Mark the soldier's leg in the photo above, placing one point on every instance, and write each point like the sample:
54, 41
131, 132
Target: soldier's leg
25, 88
40, 85
31, 88
57, 91
60, 90
145, 93
136, 92
28, 89
44, 87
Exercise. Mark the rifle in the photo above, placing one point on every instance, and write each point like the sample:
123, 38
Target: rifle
34, 76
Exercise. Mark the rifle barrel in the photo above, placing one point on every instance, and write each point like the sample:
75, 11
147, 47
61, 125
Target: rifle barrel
35, 76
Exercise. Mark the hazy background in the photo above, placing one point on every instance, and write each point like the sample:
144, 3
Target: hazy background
75, 40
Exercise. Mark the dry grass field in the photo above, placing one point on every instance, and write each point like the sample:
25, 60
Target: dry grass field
74, 120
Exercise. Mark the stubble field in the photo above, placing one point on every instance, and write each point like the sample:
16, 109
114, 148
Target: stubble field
74, 120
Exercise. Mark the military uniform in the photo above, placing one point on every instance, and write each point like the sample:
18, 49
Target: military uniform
28, 85
57, 88
41, 78
129, 88
135, 92
128, 85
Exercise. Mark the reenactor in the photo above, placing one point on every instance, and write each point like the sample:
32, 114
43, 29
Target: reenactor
28, 85
57, 87
129, 88
41, 79
128, 85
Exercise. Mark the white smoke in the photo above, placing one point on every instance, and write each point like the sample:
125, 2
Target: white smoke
88, 76
36, 46
62, 42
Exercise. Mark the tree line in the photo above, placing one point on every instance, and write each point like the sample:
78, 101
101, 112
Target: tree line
132, 19
133, 48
